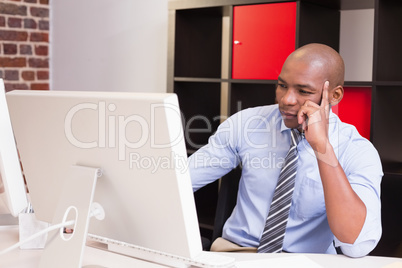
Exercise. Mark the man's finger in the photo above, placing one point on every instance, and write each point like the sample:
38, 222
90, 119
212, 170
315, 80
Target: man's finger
324, 101
305, 112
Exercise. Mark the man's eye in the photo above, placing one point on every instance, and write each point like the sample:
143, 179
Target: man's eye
282, 85
304, 92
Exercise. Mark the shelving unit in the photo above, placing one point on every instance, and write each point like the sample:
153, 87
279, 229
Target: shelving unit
201, 67
387, 90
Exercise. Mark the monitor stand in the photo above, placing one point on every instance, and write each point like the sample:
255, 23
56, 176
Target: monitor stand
8, 219
66, 250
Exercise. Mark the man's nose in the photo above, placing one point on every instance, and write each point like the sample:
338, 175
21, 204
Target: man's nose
290, 97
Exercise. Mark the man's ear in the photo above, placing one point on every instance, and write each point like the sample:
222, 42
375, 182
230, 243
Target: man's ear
336, 95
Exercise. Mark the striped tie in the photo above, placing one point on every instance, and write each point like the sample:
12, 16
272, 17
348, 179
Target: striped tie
274, 230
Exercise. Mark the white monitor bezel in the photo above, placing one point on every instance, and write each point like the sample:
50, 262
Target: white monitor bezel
13, 190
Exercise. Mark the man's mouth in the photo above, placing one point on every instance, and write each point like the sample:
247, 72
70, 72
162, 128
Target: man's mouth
288, 115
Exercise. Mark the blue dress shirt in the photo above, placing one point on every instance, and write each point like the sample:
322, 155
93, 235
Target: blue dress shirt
257, 139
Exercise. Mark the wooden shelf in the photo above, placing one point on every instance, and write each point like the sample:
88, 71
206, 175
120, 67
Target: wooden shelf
334, 4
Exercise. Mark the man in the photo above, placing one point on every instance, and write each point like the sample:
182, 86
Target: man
336, 197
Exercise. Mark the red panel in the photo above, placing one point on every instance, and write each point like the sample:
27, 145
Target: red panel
355, 109
263, 36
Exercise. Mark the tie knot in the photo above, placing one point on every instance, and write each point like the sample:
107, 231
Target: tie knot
296, 136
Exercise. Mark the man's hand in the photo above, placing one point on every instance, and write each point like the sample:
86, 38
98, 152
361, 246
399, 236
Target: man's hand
314, 121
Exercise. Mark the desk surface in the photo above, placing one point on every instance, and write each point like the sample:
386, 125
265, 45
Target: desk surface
92, 256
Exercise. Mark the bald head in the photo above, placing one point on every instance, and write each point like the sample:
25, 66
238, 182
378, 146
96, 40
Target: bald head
323, 57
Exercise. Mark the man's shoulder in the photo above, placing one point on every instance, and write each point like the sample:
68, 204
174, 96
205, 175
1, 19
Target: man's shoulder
348, 131
266, 111
256, 118
347, 136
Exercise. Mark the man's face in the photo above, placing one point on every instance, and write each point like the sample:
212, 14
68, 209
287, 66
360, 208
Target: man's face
297, 83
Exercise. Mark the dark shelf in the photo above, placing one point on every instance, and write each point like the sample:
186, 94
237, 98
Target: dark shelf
200, 106
250, 95
199, 79
206, 199
389, 40
387, 126
318, 24
198, 44
391, 216
358, 84
253, 81
389, 83
392, 169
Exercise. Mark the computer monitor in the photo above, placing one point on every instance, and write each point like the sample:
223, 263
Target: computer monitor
12, 186
136, 139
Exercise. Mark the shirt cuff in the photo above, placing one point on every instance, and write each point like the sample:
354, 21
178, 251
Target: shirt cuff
365, 242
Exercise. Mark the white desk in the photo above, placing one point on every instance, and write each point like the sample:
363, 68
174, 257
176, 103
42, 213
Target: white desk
30, 258
329, 260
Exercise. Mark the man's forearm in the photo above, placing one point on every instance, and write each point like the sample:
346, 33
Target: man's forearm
345, 210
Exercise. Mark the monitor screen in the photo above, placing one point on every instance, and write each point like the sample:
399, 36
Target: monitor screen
12, 186
136, 139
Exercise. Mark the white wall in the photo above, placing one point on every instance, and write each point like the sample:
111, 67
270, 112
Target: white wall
109, 45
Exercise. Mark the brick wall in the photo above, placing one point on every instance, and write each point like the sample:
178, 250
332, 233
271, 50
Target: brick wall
24, 44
